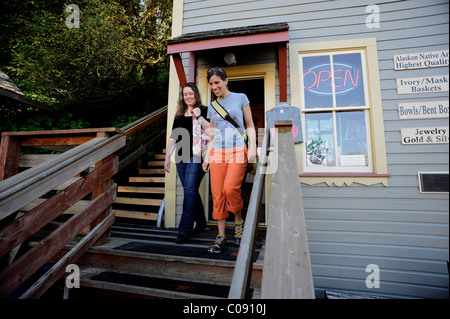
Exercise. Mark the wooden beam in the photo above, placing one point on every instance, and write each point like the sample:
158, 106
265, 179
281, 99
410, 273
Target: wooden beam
9, 157
287, 266
282, 71
192, 46
180, 69
192, 67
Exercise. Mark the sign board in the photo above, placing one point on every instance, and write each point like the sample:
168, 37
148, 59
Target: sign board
426, 84
286, 112
423, 60
423, 110
425, 135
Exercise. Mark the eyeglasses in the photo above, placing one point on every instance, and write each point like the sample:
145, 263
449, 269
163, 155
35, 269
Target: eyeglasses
216, 69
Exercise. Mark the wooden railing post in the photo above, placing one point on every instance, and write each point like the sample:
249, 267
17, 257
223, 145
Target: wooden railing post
287, 266
9, 156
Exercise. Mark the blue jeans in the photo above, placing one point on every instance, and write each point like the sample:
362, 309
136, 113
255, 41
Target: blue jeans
191, 175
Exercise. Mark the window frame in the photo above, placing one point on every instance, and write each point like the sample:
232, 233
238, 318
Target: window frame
334, 110
379, 173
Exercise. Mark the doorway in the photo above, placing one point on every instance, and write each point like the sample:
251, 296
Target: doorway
254, 88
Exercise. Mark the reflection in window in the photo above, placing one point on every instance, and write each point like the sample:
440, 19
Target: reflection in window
348, 79
352, 138
320, 139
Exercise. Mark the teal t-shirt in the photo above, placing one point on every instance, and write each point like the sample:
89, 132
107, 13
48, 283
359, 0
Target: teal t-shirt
226, 136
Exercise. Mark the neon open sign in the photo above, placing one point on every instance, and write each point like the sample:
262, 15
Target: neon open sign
318, 78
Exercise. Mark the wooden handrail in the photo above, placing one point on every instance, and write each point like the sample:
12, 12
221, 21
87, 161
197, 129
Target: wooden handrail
17, 190
286, 245
244, 263
143, 141
144, 122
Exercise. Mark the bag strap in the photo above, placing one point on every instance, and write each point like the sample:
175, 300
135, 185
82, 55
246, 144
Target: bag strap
224, 114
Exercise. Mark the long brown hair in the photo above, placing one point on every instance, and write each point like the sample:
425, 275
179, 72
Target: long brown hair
182, 106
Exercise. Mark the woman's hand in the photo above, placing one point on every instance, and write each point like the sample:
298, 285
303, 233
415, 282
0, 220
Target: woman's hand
167, 165
252, 155
205, 165
197, 112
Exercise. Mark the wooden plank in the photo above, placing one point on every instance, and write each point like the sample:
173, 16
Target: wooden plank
147, 179
31, 160
75, 208
287, 266
138, 201
149, 171
83, 131
32, 260
55, 140
155, 163
20, 229
145, 190
22, 193
57, 270
242, 272
135, 214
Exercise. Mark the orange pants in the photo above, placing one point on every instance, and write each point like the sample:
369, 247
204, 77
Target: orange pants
227, 169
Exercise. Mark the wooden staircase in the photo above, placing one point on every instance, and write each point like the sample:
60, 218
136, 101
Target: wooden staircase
141, 261
142, 196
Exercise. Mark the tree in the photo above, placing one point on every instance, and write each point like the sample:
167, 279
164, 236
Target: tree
114, 55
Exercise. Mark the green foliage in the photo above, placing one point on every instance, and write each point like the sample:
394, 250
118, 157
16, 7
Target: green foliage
114, 63
124, 120
113, 51
32, 119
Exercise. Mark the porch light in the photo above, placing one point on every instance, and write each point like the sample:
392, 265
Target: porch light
230, 59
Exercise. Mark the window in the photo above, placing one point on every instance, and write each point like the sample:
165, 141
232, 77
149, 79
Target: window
335, 112
336, 85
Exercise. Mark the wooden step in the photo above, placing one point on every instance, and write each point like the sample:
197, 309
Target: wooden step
210, 268
135, 214
138, 201
143, 250
155, 163
150, 171
160, 156
147, 179
99, 282
140, 190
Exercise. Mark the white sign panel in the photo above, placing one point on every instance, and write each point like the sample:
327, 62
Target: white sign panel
423, 110
426, 84
421, 60
425, 135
